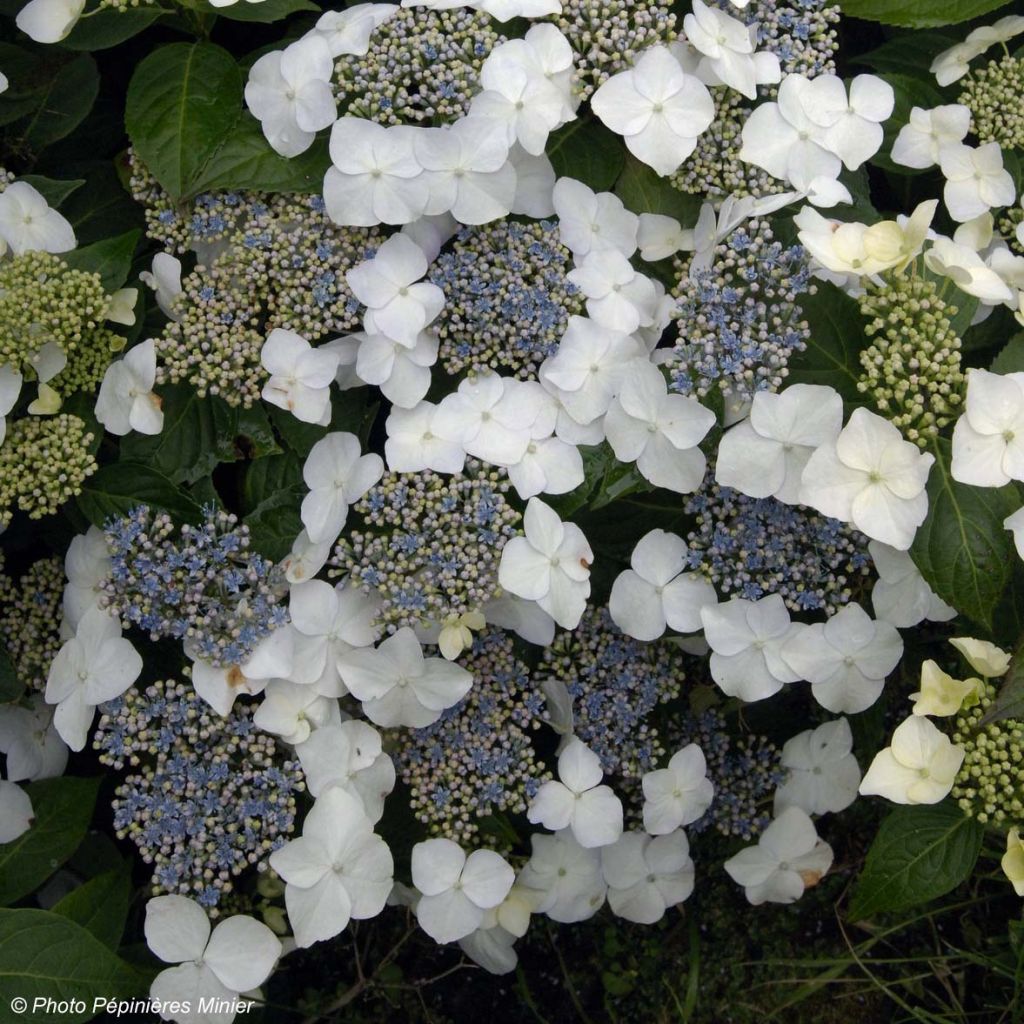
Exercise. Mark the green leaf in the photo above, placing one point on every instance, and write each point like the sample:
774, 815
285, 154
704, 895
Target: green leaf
275, 523
68, 95
111, 258
47, 956
584, 149
909, 53
183, 100
919, 854
27, 78
246, 161
11, 687
643, 190
919, 13
106, 28
961, 548
266, 11
198, 434
100, 906
269, 476
53, 191
62, 809
116, 489
255, 434
103, 209
836, 341
1011, 356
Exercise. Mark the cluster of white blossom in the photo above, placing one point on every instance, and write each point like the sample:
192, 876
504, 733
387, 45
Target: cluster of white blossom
336, 681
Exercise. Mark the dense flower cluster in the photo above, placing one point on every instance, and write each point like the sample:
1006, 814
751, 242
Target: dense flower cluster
739, 319
614, 683
507, 297
912, 366
992, 94
207, 797
431, 545
43, 463
265, 262
201, 584
801, 33
607, 35
477, 759
751, 547
30, 619
421, 66
744, 771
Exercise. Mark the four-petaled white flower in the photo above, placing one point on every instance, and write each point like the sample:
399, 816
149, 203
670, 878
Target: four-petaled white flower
917, 768
845, 659
727, 52
657, 107
399, 304
658, 430
289, 92
870, 477
566, 875
457, 890
30, 740
988, 439
822, 773
921, 139
398, 686
27, 223
617, 296
678, 794
577, 800
788, 859
549, 565
646, 876
900, 594
338, 869
976, 180
589, 220
97, 664
746, 639
656, 593
300, 376
337, 474
236, 956
765, 455
349, 755
375, 177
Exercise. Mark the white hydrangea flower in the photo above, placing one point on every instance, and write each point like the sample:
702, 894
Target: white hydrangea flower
656, 593
746, 639
921, 139
566, 875
788, 859
577, 800
870, 477
988, 439
918, 768
976, 180
900, 594
678, 794
822, 772
845, 659
647, 875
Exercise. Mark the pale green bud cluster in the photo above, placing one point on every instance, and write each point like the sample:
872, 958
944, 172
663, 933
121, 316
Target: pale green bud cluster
989, 785
44, 300
421, 67
993, 96
912, 366
607, 36
1008, 223
6, 177
43, 463
30, 616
